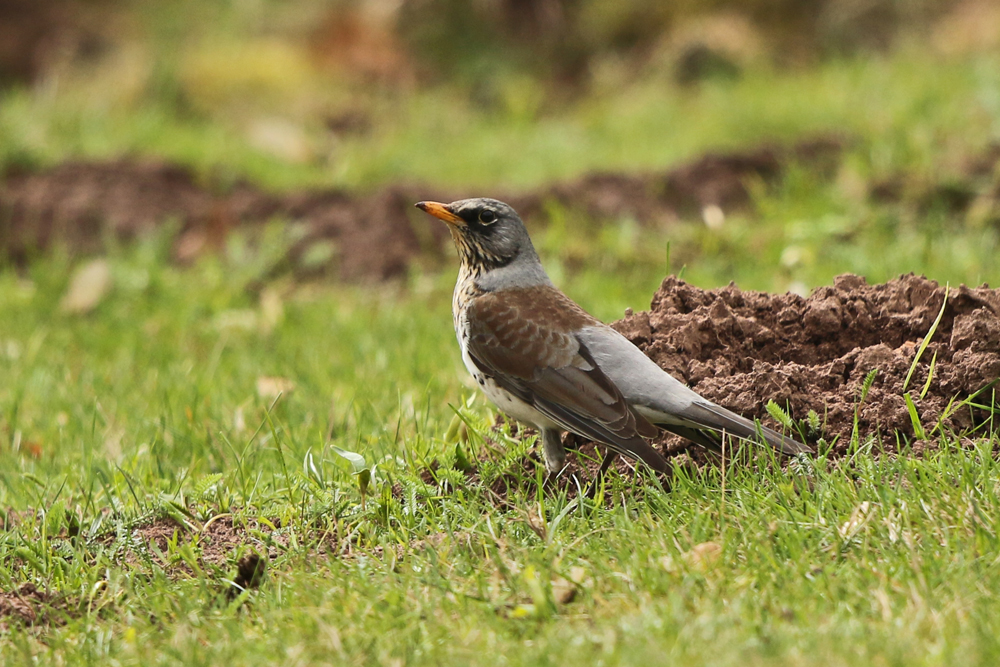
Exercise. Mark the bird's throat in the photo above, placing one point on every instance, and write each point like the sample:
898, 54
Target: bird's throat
466, 290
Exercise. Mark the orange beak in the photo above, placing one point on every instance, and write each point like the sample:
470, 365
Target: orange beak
442, 212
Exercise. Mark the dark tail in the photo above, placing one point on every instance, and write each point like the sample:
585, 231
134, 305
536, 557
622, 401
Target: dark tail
717, 418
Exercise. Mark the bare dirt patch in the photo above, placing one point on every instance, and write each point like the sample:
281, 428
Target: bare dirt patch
218, 541
716, 179
583, 462
27, 605
741, 349
373, 236
250, 571
81, 205
968, 192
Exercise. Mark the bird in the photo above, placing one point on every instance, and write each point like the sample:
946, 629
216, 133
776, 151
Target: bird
547, 363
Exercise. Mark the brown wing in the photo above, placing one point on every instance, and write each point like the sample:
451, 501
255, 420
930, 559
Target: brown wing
524, 341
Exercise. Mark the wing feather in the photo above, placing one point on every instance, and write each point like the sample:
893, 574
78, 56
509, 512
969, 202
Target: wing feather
549, 368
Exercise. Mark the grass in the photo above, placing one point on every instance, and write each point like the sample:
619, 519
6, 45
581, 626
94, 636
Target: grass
155, 409
147, 410
901, 109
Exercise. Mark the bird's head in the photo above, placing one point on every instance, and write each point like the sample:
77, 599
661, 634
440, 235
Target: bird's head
488, 233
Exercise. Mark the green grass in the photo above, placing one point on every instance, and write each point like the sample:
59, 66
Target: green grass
913, 110
148, 408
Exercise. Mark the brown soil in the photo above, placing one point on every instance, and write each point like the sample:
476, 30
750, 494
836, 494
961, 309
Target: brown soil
29, 606
376, 236
714, 179
583, 462
250, 573
37, 36
968, 192
80, 205
218, 543
520, 474
741, 349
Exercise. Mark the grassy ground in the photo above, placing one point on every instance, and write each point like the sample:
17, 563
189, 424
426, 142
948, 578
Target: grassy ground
915, 111
156, 409
148, 410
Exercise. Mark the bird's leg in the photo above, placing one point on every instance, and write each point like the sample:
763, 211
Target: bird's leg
552, 450
609, 457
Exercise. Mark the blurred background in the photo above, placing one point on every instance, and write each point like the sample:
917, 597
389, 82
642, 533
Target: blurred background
820, 136
218, 302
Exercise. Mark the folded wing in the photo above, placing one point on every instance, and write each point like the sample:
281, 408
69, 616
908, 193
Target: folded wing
666, 401
543, 363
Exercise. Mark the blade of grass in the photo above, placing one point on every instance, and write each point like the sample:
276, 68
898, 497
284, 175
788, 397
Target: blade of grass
930, 376
926, 341
918, 428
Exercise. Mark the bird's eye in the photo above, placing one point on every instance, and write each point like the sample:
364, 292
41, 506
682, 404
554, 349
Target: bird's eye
487, 216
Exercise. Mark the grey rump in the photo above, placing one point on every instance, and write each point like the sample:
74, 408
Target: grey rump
546, 362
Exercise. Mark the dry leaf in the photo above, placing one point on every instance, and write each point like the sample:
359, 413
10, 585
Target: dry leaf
190, 244
239, 420
668, 563
713, 216
884, 603
563, 592
272, 387
578, 576
272, 309
536, 523
89, 284
282, 139
703, 556
857, 521
11, 349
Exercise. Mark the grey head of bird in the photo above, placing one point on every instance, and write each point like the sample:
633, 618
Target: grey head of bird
491, 239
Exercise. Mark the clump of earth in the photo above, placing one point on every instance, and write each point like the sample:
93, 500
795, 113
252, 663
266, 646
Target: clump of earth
742, 349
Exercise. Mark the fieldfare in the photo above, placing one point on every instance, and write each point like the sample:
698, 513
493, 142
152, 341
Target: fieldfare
546, 362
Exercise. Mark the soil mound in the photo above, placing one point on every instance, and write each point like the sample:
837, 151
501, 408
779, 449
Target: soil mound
349, 236
713, 179
82, 204
741, 349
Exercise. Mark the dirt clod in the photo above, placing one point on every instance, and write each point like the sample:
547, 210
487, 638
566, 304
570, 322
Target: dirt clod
249, 573
25, 606
741, 349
